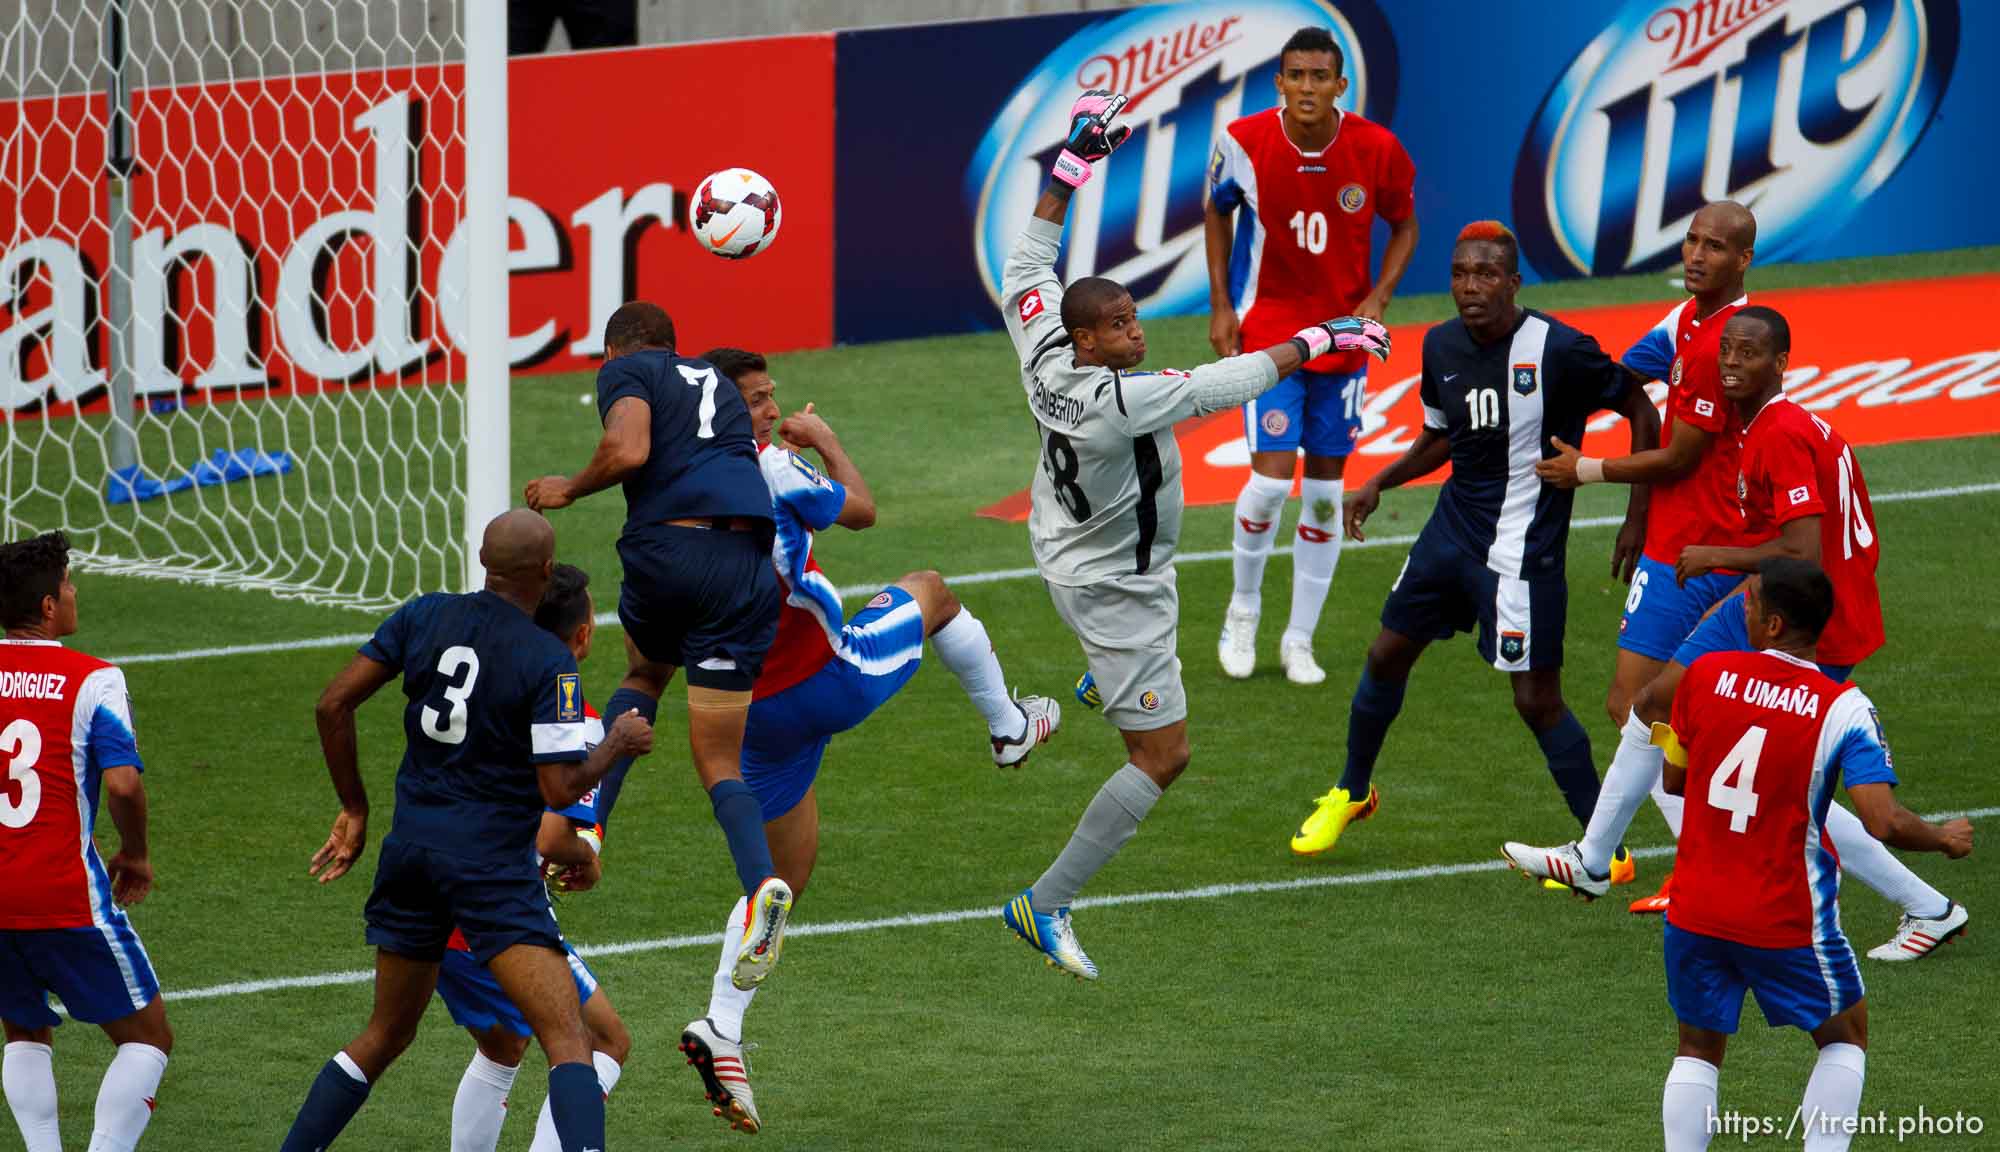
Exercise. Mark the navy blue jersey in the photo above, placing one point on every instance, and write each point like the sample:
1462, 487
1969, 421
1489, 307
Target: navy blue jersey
703, 461
491, 696
1499, 403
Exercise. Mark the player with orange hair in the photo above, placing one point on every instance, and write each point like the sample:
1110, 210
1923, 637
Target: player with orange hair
1498, 382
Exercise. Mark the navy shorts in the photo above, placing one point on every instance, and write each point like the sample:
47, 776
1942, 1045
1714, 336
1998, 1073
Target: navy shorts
473, 996
1660, 612
880, 649
421, 894
100, 974
1443, 590
1318, 410
702, 600
1801, 987
1728, 630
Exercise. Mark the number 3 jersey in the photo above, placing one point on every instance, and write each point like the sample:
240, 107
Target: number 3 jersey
491, 695
1107, 496
1767, 738
64, 719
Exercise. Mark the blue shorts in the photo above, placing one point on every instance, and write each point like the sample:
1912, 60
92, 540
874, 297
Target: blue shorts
703, 600
1443, 590
1799, 987
473, 997
1659, 613
1728, 630
100, 974
420, 895
1320, 410
879, 650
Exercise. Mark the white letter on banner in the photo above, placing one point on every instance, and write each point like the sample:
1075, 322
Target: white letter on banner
154, 259
58, 327
540, 249
610, 219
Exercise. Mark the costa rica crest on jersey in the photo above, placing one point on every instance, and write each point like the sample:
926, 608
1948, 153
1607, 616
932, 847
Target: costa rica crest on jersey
1525, 376
881, 600
1275, 422
1149, 700
1353, 198
1674, 378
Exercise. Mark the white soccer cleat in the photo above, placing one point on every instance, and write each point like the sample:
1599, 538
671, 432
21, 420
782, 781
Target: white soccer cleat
1296, 658
763, 933
1563, 864
725, 1074
1919, 936
1044, 717
1238, 647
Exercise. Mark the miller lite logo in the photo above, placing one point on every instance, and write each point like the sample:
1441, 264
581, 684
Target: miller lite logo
1188, 69
1800, 109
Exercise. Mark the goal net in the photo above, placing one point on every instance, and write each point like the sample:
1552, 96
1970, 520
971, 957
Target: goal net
252, 294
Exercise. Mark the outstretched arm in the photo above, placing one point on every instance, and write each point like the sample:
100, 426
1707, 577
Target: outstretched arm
1797, 538
1149, 401
1570, 468
1637, 408
622, 450
564, 782
807, 430
1888, 821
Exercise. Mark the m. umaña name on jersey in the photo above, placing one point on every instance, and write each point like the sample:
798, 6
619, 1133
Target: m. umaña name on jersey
1799, 700
1058, 407
33, 685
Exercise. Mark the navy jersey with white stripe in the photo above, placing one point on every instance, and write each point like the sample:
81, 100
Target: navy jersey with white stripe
1500, 403
703, 461
491, 695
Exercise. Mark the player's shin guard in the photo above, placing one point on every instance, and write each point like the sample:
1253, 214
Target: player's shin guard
1567, 749
742, 821
1314, 556
1870, 861
28, 1074
576, 1103
480, 1108
621, 702
1833, 1098
338, 1092
963, 646
1634, 771
726, 1002
546, 1140
1687, 1108
1670, 806
1376, 703
1111, 819
125, 1098
1258, 508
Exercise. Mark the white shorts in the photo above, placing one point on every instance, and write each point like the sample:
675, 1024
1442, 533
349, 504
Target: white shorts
1128, 628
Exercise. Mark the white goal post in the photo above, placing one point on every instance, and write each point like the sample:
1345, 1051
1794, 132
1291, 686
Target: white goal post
253, 289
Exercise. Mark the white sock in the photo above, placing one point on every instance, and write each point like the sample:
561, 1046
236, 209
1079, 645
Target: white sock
1670, 806
727, 1002
1635, 767
1261, 503
1315, 554
29, 1075
348, 1066
1833, 1097
125, 1098
546, 1139
480, 1107
1687, 1108
963, 646
1870, 861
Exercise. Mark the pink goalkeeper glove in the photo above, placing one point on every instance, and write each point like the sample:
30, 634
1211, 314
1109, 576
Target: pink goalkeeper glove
1346, 334
1091, 135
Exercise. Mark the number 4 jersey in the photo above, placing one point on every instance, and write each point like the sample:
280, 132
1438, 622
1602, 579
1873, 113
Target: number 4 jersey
1768, 737
64, 720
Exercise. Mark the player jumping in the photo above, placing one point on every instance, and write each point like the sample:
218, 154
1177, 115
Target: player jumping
1310, 180
699, 592
67, 727
1803, 496
825, 676
1107, 507
489, 695
568, 843
1760, 739
1499, 383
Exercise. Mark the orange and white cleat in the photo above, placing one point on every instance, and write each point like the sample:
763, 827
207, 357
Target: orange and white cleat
1656, 904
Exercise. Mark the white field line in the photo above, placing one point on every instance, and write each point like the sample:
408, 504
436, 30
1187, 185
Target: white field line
352, 640
961, 915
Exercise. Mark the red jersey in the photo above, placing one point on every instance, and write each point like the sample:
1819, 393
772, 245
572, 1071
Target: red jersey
1794, 464
64, 719
1301, 248
1701, 507
1767, 737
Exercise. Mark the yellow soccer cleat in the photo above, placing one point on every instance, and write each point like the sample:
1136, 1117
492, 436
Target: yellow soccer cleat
1624, 870
1334, 813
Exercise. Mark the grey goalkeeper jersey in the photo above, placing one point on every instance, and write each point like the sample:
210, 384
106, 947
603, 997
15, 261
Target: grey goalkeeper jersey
1107, 497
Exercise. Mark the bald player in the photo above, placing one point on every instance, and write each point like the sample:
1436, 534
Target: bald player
494, 730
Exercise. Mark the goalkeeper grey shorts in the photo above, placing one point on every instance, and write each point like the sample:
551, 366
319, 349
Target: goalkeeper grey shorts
1128, 628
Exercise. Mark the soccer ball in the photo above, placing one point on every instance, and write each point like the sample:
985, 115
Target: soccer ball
734, 213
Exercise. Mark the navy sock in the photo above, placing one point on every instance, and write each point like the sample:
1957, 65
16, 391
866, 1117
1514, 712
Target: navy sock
333, 1101
576, 1104
742, 820
1567, 747
1376, 703
621, 702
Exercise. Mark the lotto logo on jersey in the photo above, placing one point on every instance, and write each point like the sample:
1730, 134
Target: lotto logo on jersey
1813, 104
1031, 306
1524, 378
1189, 69
1800, 495
1353, 198
1704, 407
569, 699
